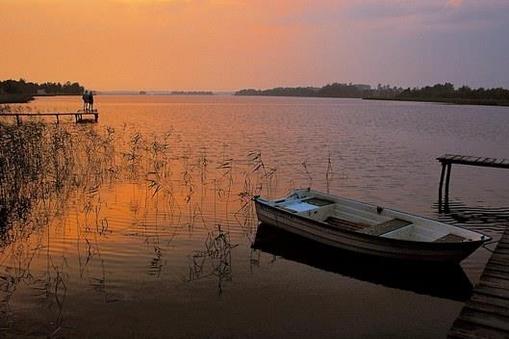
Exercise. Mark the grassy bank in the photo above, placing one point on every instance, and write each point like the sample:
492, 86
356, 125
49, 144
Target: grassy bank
15, 98
457, 101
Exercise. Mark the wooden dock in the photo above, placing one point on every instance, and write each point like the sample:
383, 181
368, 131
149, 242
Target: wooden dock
78, 115
447, 160
486, 314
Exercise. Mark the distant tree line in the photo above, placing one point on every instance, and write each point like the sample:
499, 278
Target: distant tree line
282, 91
447, 91
23, 87
440, 92
192, 93
334, 90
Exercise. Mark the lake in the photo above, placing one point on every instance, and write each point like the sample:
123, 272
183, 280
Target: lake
142, 225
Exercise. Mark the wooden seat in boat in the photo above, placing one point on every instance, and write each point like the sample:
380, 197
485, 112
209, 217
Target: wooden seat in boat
318, 201
385, 227
343, 224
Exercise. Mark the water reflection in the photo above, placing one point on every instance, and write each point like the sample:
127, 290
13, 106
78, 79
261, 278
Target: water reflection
214, 260
80, 206
482, 218
444, 281
111, 220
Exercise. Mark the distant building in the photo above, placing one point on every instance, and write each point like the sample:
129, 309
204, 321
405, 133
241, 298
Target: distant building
41, 92
363, 87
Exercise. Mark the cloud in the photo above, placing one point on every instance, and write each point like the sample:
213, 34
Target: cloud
454, 3
226, 44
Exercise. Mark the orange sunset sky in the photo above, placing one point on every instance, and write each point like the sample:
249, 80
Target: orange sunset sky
233, 44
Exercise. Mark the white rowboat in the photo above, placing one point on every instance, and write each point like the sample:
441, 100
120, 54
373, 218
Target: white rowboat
368, 229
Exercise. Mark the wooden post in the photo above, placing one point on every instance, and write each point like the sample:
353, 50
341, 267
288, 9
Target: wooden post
447, 179
440, 187
96, 116
18, 120
58, 121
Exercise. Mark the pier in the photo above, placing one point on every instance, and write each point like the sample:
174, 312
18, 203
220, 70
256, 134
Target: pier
447, 160
486, 314
78, 115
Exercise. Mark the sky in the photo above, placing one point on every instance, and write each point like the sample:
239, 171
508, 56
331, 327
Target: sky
234, 44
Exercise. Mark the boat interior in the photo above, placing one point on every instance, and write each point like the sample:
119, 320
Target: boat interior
345, 214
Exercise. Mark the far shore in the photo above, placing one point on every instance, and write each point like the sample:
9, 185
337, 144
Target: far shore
25, 98
15, 98
442, 93
456, 101
452, 101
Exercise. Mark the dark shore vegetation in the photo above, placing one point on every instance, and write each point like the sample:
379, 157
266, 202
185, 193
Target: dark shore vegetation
462, 95
39, 162
15, 98
192, 93
22, 91
445, 93
335, 90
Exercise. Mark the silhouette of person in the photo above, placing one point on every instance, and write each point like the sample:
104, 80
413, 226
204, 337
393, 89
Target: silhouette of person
91, 100
85, 100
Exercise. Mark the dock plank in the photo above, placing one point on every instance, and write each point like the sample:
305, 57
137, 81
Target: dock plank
473, 160
498, 268
493, 291
489, 308
487, 319
502, 257
486, 314
467, 330
78, 115
24, 114
495, 283
495, 273
488, 299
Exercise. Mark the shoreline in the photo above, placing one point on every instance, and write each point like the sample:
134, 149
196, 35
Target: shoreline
454, 101
26, 98
15, 98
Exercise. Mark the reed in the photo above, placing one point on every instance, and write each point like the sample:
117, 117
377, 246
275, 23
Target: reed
329, 173
215, 260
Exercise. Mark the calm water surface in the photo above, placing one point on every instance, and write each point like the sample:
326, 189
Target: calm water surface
168, 245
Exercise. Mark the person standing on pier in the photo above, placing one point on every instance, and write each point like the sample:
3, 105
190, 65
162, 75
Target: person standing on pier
85, 100
91, 101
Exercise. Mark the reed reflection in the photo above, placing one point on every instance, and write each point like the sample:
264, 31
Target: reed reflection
58, 225
215, 260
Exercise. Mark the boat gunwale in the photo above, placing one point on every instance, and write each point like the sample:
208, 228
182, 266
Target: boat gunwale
380, 239
488, 238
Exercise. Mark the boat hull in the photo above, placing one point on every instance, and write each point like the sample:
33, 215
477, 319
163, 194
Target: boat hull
364, 243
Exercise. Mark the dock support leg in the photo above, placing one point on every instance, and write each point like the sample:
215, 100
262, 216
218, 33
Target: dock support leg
442, 174
58, 121
18, 120
96, 117
447, 179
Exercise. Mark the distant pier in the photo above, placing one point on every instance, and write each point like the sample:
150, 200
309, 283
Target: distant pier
79, 116
447, 160
486, 314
